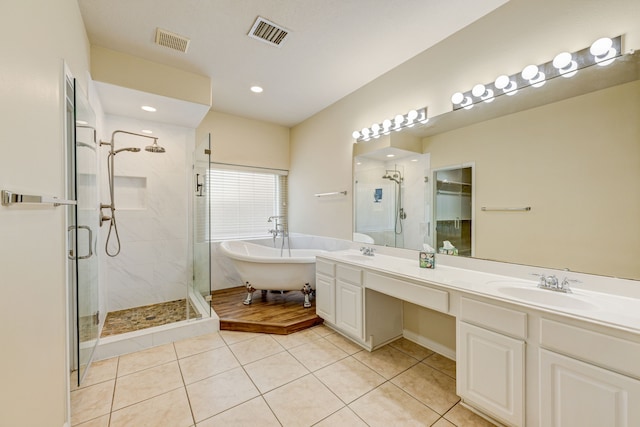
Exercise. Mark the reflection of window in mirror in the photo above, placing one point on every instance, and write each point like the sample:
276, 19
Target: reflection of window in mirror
453, 201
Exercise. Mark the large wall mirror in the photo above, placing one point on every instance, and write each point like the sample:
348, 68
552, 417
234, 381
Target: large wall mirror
569, 151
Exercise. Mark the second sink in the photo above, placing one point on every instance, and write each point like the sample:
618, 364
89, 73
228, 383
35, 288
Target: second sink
547, 297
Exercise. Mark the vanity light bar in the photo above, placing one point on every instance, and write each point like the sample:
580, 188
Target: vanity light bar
399, 122
601, 52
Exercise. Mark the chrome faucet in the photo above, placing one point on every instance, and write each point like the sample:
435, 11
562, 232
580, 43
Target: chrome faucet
367, 251
552, 283
280, 229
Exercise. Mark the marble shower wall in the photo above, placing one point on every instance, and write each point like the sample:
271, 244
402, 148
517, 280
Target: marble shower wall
151, 199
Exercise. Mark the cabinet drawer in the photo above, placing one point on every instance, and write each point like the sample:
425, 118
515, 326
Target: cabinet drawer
325, 267
500, 319
411, 292
604, 350
349, 274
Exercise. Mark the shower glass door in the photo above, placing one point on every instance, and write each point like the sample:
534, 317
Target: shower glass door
201, 286
83, 230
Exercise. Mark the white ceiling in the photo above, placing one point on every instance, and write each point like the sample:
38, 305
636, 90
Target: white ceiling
334, 46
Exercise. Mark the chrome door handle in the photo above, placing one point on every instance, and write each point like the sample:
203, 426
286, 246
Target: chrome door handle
90, 235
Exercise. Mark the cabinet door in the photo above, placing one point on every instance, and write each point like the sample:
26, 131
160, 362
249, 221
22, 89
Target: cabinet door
349, 308
575, 393
326, 298
490, 372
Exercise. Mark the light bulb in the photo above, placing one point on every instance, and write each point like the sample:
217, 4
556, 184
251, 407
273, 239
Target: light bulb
603, 51
398, 122
565, 64
529, 72
365, 133
386, 126
355, 134
375, 129
422, 116
457, 98
508, 86
478, 90
601, 46
535, 77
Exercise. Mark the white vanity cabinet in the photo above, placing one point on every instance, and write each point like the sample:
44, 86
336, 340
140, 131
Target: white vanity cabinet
490, 358
580, 384
326, 290
349, 301
341, 299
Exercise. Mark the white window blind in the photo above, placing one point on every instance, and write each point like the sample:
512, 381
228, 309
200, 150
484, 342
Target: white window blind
241, 201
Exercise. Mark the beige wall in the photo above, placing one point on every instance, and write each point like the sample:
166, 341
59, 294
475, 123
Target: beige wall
516, 34
242, 141
576, 163
36, 37
128, 71
438, 328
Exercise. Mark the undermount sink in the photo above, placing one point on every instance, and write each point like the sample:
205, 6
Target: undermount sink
547, 297
358, 257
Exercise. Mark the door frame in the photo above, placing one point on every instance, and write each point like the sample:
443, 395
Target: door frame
434, 188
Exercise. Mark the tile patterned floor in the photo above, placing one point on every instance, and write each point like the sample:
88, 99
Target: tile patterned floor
311, 378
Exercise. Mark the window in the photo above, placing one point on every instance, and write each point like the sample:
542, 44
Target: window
242, 199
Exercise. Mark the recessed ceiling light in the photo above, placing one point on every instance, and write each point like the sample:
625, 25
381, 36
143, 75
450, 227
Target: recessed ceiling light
147, 131
391, 155
256, 89
148, 108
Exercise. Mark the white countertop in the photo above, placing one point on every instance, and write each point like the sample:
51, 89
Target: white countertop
608, 309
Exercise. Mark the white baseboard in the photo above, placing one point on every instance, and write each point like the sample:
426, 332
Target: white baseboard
431, 345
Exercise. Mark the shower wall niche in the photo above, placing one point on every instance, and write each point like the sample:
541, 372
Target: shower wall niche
132, 192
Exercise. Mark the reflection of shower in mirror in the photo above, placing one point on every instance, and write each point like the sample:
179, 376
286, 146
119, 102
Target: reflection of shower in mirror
395, 176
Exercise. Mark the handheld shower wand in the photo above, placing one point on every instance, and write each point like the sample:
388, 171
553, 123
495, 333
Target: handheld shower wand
113, 226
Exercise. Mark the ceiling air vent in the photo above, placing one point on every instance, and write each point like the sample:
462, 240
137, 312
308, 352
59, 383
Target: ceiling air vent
268, 32
172, 40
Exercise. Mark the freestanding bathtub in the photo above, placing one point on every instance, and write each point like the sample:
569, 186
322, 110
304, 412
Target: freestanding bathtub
262, 268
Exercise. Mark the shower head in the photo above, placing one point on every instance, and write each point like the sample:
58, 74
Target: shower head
154, 148
132, 149
394, 176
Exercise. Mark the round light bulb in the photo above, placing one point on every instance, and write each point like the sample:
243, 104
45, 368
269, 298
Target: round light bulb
386, 125
529, 72
457, 98
601, 46
365, 132
478, 90
355, 134
412, 115
562, 60
375, 127
398, 121
502, 82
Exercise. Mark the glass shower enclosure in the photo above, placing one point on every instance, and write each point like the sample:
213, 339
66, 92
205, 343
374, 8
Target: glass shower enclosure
201, 284
83, 220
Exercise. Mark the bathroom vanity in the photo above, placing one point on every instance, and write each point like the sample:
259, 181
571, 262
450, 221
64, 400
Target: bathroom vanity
525, 356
